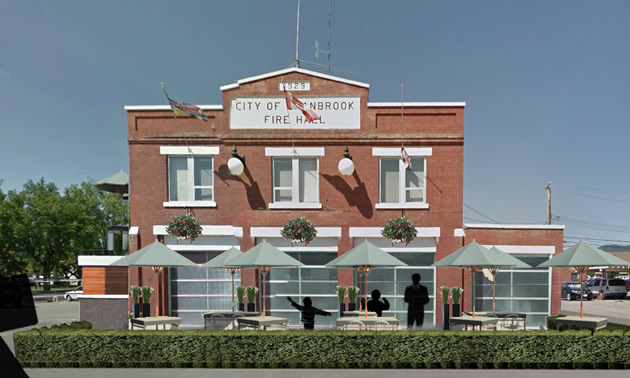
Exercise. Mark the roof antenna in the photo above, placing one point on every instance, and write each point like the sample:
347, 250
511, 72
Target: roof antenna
329, 51
297, 38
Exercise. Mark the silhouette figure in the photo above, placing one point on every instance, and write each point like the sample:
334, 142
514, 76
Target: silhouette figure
377, 306
308, 312
417, 296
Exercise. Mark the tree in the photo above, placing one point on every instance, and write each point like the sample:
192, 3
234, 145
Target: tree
11, 213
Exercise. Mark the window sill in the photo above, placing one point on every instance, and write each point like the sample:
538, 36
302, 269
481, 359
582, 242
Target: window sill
190, 204
295, 205
413, 205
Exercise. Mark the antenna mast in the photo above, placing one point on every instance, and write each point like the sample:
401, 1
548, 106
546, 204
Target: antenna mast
329, 51
297, 38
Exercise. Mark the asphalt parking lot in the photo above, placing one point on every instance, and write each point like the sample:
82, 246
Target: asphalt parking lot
616, 310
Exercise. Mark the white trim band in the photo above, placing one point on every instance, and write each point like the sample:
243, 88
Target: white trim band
526, 249
375, 232
274, 232
206, 230
298, 151
101, 260
295, 205
189, 150
416, 104
103, 296
404, 205
395, 151
167, 107
134, 230
459, 233
189, 204
516, 226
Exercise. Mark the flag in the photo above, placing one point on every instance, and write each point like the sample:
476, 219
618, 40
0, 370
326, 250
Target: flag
179, 107
404, 156
295, 103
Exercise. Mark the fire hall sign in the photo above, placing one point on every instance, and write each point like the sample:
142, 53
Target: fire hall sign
272, 113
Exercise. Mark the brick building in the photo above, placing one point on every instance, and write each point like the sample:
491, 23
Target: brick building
291, 169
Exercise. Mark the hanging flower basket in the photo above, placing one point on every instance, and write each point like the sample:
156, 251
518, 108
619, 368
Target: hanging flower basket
184, 227
399, 230
299, 230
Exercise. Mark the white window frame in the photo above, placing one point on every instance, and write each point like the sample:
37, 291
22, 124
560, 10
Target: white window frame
189, 152
402, 189
295, 154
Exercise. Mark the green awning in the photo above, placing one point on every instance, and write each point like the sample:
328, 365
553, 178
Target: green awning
365, 253
263, 254
583, 254
223, 258
155, 254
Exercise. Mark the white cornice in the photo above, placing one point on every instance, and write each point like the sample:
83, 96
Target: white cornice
416, 104
516, 226
97, 260
167, 107
289, 70
274, 232
206, 230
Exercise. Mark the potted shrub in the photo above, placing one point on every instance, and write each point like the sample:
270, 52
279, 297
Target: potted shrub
456, 292
399, 230
147, 291
353, 291
341, 294
135, 295
184, 227
251, 298
445, 307
240, 291
299, 230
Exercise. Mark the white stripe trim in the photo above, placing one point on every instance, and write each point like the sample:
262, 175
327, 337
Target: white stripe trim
206, 230
134, 230
459, 232
516, 226
103, 296
526, 249
375, 232
416, 104
395, 151
299, 151
274, 232
200, 248
289, 70
167, 107
101, 260
189, 150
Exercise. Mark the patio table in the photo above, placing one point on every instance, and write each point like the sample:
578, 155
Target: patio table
370, 320
258, 321
590, 322
228, 316
480, 321
156, 321
501, 315
358, 313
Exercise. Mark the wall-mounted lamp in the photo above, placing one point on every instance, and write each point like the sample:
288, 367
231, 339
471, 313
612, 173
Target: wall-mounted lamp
236, 164
346, 166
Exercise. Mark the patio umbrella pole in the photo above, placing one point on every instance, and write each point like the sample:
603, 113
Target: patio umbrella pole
473, 270
232, 272
494, 272
364, 270
157, 270
263, 269
581, 269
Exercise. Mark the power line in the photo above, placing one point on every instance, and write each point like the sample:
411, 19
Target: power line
603, 190
598, 239
482, 214
602, 198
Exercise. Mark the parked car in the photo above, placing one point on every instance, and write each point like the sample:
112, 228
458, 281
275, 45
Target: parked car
628, 285
613, 288
571, 291
73, 294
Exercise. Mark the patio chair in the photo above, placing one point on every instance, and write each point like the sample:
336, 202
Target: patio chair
380, 325
234, 319
511, 322
355, 325
491, 326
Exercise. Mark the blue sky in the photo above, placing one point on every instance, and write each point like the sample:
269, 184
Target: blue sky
545, 82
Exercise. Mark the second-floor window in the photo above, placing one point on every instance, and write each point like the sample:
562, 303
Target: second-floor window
295, 180
190, 178
402, 187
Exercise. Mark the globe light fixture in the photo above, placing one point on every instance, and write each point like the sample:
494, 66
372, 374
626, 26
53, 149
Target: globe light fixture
346, 166
236, 164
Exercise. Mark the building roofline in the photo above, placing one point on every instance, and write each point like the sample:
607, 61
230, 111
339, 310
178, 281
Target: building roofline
516, 226
290, 70
416, 104
167, 107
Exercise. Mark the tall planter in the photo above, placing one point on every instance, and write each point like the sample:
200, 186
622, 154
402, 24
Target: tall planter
136, 310
135, 295
251, 307
445, 315
146, 310
456, 310
352, 306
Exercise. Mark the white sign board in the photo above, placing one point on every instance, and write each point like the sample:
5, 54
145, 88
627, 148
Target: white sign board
294, 85
272, 113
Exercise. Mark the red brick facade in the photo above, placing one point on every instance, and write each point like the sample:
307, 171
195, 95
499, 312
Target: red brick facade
347, 201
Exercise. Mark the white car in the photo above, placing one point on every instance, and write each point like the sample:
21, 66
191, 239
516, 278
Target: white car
73, 294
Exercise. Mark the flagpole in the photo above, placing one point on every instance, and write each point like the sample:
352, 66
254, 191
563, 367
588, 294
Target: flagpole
297, 38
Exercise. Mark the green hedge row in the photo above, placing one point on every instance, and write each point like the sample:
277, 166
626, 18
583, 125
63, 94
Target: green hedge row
322, 349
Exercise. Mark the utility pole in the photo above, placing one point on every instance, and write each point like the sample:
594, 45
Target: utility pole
548, 187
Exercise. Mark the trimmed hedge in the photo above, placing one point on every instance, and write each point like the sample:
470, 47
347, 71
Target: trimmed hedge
322, 349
